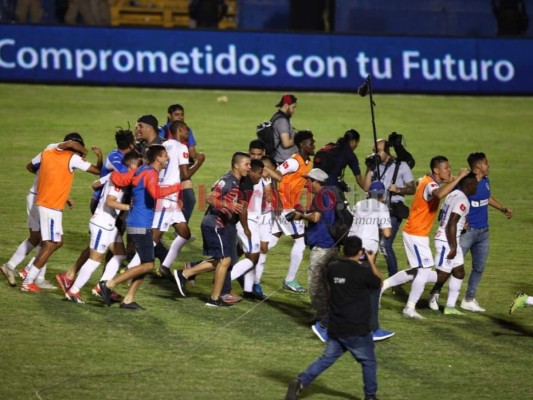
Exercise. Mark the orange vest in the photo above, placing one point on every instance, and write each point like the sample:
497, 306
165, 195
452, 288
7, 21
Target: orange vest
292, 185
55, 179
422, 213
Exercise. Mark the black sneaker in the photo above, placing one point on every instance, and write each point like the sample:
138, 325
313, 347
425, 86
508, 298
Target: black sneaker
294, 388
163, 272
217, 303
105, 292
131, 306
181, 281
371, 397
252, 296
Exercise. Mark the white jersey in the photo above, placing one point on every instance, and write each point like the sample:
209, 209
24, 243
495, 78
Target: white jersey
178, 154
105, 216
255, 202
456, 202
369, 216
36, 162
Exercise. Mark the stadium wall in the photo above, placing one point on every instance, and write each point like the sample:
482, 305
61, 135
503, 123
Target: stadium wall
236, 59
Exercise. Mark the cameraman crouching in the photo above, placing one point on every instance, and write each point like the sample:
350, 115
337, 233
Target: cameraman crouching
398, 179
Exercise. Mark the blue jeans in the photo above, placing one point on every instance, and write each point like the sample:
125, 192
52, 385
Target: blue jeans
386, 247
477, 241
361, 348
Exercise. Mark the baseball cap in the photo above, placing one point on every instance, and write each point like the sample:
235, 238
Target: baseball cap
149, 120
376, 188
287, 98
317, 174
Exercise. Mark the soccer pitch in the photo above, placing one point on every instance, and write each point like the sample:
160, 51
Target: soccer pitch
180, 349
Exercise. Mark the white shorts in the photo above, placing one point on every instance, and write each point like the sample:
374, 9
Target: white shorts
33, 212
167, 217
249, 245
51, 222
444, 264
288, 228
370, 245
265, 227
101, 238
418, 251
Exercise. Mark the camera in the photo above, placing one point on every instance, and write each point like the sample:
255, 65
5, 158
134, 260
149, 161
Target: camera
290, 216
372, 161
395, 139
343, 186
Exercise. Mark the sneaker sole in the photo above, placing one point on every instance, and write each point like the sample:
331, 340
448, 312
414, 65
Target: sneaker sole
313, 328
178, 283
12, 282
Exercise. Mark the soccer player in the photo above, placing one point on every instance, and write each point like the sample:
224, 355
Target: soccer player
224, 202
168, 212
104, 234
448, 255
416, 231
292, 189
56, 175
251, 187
34, 226
145, 191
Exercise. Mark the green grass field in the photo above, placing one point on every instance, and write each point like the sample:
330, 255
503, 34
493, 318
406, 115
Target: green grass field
180, 349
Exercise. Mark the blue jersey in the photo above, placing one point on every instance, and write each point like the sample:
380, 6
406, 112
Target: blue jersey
318, 233
478, 217
113, 162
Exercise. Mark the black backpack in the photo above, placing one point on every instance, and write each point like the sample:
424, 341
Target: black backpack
340, 227
327, 157
265, 133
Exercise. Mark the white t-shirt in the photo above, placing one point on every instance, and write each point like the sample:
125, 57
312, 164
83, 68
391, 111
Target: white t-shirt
105, 216
369, 216
178, 154
456, 202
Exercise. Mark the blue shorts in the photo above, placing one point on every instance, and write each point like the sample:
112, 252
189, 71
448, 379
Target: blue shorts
216, 241
144, 245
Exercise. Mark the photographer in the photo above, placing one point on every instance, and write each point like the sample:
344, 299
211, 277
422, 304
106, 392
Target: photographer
335, 157
397, 177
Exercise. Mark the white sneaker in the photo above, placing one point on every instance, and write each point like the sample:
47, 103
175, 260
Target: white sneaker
471, 305
44, 284
434, 301
411, 313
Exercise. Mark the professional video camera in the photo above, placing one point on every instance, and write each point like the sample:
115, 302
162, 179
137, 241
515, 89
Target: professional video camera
372, 161
396, 141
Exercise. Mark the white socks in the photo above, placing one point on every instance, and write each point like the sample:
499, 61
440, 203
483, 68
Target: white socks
417, 287
84, 275
297, 254
241, 268
112, 267
173, 252
453, 291
260, 267
22, 251
399, 278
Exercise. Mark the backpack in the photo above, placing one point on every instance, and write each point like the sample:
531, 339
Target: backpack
327, 157
340, 227
265, 133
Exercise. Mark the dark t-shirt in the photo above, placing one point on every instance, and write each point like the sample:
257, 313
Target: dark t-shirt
350, 307
347, 158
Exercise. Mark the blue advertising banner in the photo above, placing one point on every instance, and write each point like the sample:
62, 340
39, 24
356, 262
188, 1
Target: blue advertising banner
233, 59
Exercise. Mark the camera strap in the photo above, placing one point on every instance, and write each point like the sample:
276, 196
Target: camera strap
396, 169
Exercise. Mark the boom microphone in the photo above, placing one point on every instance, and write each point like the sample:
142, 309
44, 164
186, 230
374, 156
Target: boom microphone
363, 89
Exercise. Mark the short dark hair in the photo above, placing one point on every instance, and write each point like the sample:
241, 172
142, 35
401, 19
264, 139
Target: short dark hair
435, 161
174, 126
474, 158
301, 136
257, 164
352, 246
269, 158
351, 134
465, 179
174, 107
153, 151
124, 138
74, 136
237, 156
131, 156
257, 144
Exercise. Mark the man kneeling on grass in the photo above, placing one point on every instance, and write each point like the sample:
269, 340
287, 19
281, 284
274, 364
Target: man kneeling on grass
349, 314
